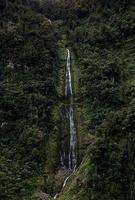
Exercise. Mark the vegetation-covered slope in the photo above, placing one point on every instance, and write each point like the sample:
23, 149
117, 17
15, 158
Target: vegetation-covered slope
101, 35
28, 79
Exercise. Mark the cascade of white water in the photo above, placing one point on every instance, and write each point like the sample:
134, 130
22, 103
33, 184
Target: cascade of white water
73, 141
68, 85
73, 137
70, 113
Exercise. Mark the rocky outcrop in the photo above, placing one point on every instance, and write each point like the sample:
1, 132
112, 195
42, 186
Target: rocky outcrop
44, 196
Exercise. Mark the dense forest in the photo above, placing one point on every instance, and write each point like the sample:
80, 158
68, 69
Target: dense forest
34, 36
28, 79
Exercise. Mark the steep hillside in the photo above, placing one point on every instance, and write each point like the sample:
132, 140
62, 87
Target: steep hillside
28, 79
34, 128
103, 43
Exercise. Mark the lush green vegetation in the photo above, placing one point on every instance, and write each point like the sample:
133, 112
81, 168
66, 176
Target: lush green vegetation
28, 79
101, 35
103, 44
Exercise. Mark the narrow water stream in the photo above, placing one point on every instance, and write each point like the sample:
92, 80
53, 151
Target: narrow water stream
69, 95
72, 157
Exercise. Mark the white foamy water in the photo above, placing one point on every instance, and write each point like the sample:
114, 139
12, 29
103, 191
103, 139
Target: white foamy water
73, 133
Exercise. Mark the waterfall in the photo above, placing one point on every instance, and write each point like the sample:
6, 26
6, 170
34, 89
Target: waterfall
73, 135
68, 84
69, 112
72, 157
73, 141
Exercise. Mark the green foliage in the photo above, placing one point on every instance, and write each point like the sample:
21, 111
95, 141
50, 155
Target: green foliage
103, 44
29, 67
101, 35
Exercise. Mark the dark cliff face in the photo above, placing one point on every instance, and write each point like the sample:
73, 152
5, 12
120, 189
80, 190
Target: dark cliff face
3, 4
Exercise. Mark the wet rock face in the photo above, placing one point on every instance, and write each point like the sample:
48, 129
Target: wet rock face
44, 196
